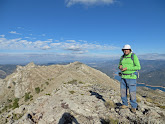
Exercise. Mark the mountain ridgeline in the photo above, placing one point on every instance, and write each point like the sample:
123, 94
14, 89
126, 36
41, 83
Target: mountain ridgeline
152, 71
72, 93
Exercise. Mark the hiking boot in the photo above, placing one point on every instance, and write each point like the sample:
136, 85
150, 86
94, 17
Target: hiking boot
133, 110
123, 107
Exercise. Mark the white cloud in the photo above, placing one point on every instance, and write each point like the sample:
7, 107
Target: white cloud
74, 48
45, 47
2, 35
38, 43
50, 39
73, 41
13, 32
27, 37
20, 28
69, 46
55, 44
89, 2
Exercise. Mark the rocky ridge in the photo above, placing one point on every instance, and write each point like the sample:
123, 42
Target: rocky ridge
73, 93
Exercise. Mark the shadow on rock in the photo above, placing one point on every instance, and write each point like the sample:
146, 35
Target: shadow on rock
118, 104
103, 121
67, 118
118, 107
97, 95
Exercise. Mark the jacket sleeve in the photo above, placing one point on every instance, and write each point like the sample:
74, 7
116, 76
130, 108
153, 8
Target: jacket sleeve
136, 65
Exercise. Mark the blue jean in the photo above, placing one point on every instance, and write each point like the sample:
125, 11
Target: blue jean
124, 85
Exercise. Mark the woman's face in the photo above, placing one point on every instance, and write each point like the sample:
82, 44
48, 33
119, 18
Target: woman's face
126, 52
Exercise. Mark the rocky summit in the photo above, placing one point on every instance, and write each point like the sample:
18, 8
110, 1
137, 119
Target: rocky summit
72, 94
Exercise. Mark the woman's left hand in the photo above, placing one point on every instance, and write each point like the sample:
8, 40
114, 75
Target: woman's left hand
124, 69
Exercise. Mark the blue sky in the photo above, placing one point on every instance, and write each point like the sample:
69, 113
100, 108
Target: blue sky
54, 30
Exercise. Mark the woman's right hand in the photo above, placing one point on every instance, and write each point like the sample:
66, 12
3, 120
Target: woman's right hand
121, 67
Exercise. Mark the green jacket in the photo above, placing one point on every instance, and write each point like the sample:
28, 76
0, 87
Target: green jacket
131, 66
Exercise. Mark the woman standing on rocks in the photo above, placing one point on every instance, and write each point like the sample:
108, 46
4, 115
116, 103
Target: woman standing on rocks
129, 64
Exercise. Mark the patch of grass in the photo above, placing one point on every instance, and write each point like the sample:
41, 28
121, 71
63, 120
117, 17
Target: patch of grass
80, 82
113, 121
158, 105
16, 104
47, 83
14, 82
138, 99
9, 100
37, 89
4, 109
27, 96
48, 94
72, 91
9, 87
110, 120
72, 82
8, 116
6, 120
10, 106
149, 100
109, 104
163, 107
17, 116
50, 79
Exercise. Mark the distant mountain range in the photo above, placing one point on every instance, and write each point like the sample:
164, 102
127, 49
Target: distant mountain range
6, 70
152, 71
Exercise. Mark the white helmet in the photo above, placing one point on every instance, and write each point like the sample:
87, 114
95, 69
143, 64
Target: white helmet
127, 47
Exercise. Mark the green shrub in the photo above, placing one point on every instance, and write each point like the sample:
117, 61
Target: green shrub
10, 106
17, 116
14, 83
27, 96
6, 120
9, 100
72, 92
47, 83
72, 82
149, 100
48, 94
163, 107
80, 82
9, 87
4, 109
16, 104
37, 89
